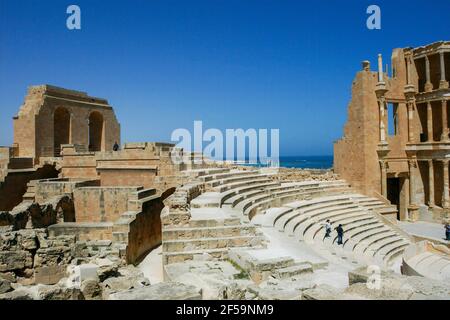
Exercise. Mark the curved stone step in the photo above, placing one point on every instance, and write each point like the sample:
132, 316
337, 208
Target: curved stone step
234, 185
232, 197
306, 208
211, 243
208, 232
300, 226
349, 224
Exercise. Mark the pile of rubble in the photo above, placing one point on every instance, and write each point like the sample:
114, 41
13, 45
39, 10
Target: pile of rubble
36, 266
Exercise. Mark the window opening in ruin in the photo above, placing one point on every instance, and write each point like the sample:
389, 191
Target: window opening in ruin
392, 119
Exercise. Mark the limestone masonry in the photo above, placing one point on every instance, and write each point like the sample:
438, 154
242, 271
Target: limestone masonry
80, 220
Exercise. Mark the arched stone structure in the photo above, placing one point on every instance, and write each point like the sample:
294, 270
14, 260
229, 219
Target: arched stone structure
51, 116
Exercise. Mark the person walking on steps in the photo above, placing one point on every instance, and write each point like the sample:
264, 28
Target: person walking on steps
447, 231
327, 229
116, 146
340, 232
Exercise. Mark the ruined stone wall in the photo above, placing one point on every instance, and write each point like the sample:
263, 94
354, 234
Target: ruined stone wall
83, 232
46, 189
145, 230
355, 156
15, 184
4, 160
78, 163
38, 215
101, 204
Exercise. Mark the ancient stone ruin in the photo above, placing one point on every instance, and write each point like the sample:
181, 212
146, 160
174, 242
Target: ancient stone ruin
80, 220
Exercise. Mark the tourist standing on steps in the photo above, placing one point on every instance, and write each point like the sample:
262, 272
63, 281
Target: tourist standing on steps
116, 146
340, 232
447, 231
327, 229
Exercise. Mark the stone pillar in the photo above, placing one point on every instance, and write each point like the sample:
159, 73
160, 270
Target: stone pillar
413, 208
445, 192
380, 68
408, 68
410, 120
445, 131
429, 122
71, 128
382, 105
428, 84
383, 166
431, 183
443, 84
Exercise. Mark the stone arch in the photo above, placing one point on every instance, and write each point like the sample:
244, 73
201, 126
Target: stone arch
61, 129
95, 131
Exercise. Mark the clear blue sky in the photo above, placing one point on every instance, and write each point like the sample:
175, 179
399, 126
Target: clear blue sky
232, 63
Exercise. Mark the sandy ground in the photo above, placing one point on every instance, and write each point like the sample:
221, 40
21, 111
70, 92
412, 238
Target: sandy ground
151, 266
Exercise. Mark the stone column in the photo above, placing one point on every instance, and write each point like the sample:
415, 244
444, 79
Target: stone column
428, 84
408, 68
445, 131
431, 182
429, 122
443, 84
70, 128
445, 192
413, 208
382, 105
410, 120
383, 166
380, 68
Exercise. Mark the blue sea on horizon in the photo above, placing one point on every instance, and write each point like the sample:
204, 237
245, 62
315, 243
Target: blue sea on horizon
302, 162
309, 162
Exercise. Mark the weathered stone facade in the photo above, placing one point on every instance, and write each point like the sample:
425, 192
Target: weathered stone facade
396, 140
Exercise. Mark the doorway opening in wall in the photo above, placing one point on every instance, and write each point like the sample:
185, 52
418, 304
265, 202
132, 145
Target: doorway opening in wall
393, 193
61, 130
95, 131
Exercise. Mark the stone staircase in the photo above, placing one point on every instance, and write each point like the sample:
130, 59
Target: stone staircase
246, 195
208, 236
30, 194
367, 238
259, 269
194, 227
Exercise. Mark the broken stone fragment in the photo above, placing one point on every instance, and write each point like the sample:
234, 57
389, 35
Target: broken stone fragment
160, 291
19, 294
57, 292
107, 271
91, 289
321, 292
5, 286
15, 260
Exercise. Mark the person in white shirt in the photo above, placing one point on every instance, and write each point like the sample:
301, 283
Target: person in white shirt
327, 229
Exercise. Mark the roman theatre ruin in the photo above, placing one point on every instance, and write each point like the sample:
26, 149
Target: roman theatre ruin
81, 221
